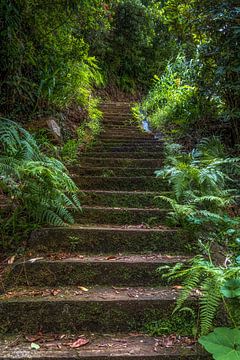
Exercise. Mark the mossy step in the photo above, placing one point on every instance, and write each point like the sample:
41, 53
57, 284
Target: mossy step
109, 270
124, 120
130, 141
142, 183
118, 346
108, 172
121, 216
70, 309
127, 154
115, 104
127, 148
130, 137
116, 115
108, 126
148, 146
120, 162
111, 108
124, 132
110, 239
119, 198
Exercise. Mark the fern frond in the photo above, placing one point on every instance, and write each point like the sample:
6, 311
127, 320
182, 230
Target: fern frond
209, 302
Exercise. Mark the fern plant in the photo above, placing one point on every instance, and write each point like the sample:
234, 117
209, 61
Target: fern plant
210, 281
201, 185
38, 186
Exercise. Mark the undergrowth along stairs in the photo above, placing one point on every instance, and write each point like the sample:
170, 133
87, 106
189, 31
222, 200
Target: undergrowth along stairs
97, 279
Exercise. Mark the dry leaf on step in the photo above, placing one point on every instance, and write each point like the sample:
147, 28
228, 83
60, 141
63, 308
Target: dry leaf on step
78, 343
11, 260
83, 288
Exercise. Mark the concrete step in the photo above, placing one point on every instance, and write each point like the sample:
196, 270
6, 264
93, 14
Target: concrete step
126, 183
126, 154
115, 148
94, 239
82, 270
125, 130
116, 104
124, 133
129, 141
109, 172
136, 138
113, 162
118, 346
119, 198
117, 114
121, 216
30, 310
123, 120
113, 127
128, 147
118, 122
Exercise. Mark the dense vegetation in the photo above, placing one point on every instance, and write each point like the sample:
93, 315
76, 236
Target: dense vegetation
200, 86
182, 59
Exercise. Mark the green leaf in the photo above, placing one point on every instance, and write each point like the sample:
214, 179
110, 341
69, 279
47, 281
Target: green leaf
231, 288
35, 346
223, 343
238, 260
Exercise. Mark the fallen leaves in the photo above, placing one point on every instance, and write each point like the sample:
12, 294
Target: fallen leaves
168, 341
78, 343
36, 259
55, 292
33, 339
83, 288
57, 341
35, 346
111, 257
11, 260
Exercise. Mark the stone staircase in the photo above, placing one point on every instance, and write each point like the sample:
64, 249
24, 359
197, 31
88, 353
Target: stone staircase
97, 279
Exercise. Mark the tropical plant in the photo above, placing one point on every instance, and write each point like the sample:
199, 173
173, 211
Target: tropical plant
45, 63
174, 104
223, 343
200, 183
213, 283
37, 185
207, 34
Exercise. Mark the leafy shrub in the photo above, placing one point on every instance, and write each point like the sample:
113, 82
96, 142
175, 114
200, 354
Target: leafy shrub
212, 282
200, 183
45, 64
136, 28
210, 29
174, 104
37, 185
222, 343
69, 151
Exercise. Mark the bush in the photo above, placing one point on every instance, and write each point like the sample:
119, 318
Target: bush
38, 186
174, 104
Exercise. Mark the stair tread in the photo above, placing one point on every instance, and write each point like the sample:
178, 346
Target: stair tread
130, 209
110, 227
136, 192
106, 258
93, 293
100, 346
116, 159
118, 177
86, 167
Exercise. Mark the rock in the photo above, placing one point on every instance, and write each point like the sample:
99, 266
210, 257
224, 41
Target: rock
55, 129
50, 124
